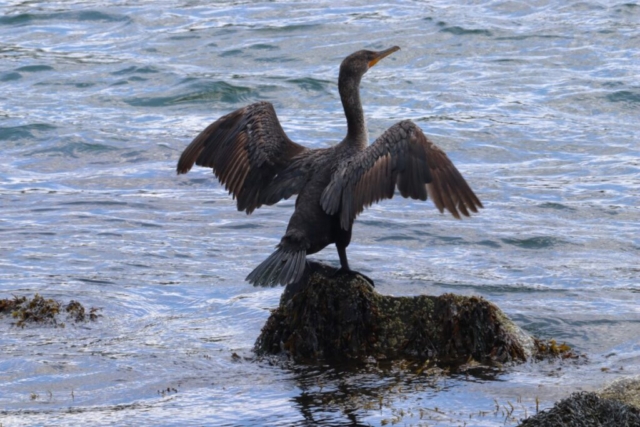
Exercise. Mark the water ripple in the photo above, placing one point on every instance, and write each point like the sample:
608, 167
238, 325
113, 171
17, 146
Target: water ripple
80, 16
199, 92
533, 102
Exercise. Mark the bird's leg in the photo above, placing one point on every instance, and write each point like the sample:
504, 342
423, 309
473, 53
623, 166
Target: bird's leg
342, 253
344, 265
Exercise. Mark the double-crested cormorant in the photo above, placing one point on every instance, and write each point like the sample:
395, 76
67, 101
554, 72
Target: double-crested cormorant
255, 160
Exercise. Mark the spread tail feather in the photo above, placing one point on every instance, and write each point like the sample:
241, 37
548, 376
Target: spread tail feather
281, 268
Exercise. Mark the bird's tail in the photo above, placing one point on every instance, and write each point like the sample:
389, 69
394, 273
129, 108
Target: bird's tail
283, 267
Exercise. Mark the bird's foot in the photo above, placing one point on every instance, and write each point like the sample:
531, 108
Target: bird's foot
342, 271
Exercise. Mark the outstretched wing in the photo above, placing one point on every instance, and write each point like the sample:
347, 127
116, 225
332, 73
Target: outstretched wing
246, 149
401, 157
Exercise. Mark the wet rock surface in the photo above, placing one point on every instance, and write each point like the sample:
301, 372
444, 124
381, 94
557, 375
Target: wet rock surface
329, 316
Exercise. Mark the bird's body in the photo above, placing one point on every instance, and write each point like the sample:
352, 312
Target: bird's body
256, 161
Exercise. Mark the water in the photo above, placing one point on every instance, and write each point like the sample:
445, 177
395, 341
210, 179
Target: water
535, 102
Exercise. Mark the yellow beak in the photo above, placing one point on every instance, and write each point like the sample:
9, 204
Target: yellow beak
382, 54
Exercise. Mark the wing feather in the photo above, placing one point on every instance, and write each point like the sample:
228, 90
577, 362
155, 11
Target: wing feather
401, 158
247, 149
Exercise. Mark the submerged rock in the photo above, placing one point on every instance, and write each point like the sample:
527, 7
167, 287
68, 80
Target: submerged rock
342, 317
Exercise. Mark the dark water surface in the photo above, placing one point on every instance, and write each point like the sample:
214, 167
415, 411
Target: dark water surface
536, 102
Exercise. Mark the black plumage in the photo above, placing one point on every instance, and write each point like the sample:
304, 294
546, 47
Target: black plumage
255, 160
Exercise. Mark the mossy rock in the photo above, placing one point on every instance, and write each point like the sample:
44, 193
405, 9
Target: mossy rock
342, 317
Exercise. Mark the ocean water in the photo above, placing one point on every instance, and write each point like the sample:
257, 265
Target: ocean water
535, 102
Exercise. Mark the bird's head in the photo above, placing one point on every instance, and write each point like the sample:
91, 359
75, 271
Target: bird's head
356, 64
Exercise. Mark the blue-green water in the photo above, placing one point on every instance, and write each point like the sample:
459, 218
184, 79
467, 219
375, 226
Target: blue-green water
536, 103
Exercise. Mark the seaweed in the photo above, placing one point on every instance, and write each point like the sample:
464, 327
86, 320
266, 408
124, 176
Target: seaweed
45, 311
551, 349
341, 317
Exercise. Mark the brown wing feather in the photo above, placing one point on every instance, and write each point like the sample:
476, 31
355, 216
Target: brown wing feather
401, 158
247, 149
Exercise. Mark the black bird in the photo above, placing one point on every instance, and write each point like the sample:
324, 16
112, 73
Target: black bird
255, 160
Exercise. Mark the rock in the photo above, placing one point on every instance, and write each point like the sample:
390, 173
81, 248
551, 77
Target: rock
586, 410
616, 405
625, 390
342, 317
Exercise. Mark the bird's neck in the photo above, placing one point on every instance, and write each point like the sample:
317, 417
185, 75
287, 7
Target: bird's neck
349, 88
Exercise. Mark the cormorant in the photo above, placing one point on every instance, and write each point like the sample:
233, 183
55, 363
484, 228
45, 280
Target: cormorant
257, 162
